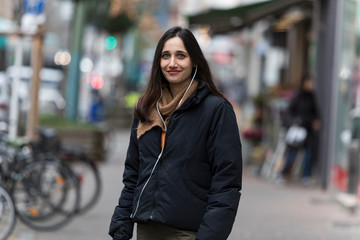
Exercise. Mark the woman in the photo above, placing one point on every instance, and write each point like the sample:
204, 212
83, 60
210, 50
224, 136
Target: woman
303, 110
183, 170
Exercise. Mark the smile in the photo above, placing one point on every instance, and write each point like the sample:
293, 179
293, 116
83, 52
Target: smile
173, 72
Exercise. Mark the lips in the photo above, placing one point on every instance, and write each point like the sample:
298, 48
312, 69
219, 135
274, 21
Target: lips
173, 72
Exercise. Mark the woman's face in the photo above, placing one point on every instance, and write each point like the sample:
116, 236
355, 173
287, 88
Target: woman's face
309, 85
175, 62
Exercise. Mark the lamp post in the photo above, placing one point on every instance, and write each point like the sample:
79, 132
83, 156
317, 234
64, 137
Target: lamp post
72, 83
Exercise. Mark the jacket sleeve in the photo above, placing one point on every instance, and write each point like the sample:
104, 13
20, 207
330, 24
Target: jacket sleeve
225, 156
121, 226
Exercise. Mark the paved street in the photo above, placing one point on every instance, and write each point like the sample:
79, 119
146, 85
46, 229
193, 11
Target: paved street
266, 211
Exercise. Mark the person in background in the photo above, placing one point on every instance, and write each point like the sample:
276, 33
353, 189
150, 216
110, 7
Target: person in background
97, 108
303, 110
183, 169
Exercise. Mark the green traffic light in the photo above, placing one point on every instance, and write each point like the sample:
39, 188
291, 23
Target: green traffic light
110, 43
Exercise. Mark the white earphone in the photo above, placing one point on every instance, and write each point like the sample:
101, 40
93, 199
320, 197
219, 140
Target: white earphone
192, 80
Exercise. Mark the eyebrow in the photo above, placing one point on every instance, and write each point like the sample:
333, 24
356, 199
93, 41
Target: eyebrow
177, 51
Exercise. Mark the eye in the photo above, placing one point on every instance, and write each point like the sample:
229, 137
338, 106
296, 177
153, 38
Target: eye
181, 56
165, 55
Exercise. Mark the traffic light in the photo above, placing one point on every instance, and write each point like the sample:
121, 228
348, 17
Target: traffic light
110, 43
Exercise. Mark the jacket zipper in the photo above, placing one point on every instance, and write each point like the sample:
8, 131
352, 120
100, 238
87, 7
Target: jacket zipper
146, 183
156, 163
155, 194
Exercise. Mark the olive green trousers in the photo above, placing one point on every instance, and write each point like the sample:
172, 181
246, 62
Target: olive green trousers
159, 231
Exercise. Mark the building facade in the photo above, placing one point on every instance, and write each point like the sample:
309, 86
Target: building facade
321, 36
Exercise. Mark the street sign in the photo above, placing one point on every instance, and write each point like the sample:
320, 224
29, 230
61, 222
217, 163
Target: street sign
33, 16
33, 6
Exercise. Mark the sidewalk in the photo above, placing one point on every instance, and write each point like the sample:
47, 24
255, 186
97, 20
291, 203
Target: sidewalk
265, 212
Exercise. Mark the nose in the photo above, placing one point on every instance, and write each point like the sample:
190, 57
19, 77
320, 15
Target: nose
172, 62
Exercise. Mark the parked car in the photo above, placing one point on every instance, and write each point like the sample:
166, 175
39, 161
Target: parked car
51, 100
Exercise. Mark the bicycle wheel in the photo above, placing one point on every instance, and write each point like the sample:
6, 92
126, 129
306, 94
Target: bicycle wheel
46, 195
89, 178
7, 214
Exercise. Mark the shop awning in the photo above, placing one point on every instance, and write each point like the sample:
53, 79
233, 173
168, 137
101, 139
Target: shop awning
227, 20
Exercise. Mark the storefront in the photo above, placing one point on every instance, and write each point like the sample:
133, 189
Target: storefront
275, 39
333, 54
345, 168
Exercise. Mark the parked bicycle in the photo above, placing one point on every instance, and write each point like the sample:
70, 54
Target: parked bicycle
46, 195
47, 183
50, 147
7, 213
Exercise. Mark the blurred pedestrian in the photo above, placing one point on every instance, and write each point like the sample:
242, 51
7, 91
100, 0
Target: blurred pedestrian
183, 170
97, 108
304, 112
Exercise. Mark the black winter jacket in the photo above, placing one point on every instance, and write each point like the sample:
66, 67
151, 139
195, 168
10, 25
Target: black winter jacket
197, 181
303, 109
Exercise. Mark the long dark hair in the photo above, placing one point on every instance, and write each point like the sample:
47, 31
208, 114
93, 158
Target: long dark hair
153, 90
307, 76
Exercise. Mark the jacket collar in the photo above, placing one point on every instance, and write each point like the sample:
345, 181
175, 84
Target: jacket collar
199, 94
